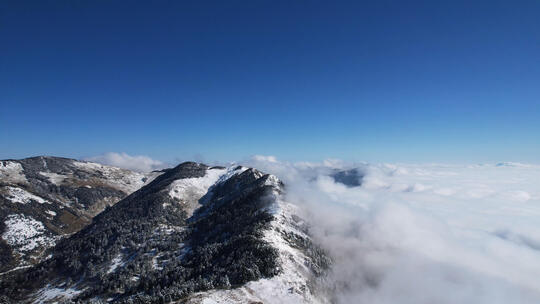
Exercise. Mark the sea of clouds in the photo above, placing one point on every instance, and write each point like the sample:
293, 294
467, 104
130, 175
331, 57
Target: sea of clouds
426, 233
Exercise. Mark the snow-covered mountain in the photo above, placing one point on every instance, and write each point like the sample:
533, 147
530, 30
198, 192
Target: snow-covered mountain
195, 234
43, 199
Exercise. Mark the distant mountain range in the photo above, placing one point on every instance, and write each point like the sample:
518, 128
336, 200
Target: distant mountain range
43, 199
82, 232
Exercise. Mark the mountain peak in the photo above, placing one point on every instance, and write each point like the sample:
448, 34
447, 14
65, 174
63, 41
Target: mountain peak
191, 233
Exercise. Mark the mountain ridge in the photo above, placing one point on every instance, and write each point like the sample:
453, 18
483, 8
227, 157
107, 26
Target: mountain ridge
195, 232
44, 198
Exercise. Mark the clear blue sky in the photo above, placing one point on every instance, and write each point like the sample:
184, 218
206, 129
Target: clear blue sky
302, 80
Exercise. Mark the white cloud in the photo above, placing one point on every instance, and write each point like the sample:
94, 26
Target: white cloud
423, 233
265, 158
123, 160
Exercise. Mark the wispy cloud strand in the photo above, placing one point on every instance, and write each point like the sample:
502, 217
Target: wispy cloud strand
123, 160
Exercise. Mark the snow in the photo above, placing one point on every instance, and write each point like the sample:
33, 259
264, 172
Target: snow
164, 229
231, 171
291, 285
54, 178
51, 213
15, 269
25, 233
18, 195
121, 179
115, 263
156, 263
184, 189
12, 171
188, 191
272, 181
90, 166
55, 294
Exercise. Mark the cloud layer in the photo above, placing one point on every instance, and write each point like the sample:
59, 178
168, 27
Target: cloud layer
423, 233
139, 163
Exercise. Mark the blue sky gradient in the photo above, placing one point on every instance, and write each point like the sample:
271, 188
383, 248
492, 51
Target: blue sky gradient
381, 81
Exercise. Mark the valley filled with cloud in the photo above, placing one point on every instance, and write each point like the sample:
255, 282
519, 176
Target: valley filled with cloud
429, 233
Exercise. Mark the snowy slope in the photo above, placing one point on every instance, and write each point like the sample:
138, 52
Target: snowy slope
188, 191
51, 197
298, 269
297, 278
24, 233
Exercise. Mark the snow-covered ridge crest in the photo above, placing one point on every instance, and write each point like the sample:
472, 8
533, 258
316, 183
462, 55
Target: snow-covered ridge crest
12, 171
189, 191
200, 185
287, 233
